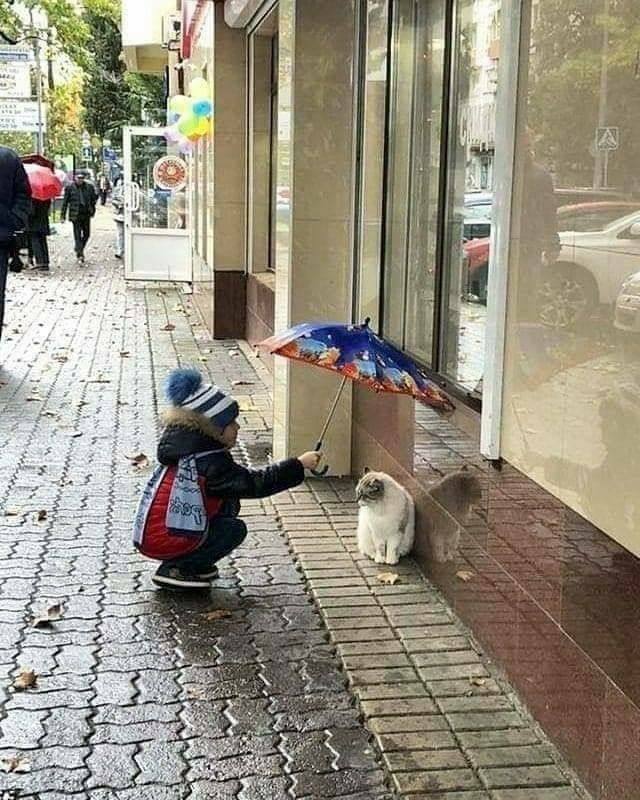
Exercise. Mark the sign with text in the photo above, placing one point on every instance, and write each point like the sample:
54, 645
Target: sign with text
21, 116
11, 53
15, 79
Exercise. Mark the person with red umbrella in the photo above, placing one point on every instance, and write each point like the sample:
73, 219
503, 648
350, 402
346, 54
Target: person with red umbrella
45, 186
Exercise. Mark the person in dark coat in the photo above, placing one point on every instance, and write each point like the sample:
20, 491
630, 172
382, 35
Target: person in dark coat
15, 204
80, 204
38, 230
201, 423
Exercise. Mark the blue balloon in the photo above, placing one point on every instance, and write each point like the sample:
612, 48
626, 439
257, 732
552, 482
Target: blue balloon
202, 108
172, 117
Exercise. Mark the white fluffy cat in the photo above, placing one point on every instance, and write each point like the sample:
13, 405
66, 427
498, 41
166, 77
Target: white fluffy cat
386, 522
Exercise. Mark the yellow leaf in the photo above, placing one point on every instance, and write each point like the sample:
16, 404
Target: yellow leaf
45, 618
27, 679
15, 764
138, 461
220, 613
465, 575
389, 578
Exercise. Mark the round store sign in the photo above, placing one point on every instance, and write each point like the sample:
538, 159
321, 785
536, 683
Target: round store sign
170, 173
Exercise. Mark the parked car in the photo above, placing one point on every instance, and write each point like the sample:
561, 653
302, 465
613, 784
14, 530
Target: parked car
579, 218
591, 268
477, 215
627, 310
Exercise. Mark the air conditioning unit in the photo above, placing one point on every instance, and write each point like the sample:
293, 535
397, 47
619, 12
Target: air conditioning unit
171, 29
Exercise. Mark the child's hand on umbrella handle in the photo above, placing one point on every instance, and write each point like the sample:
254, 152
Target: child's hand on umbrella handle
310, 460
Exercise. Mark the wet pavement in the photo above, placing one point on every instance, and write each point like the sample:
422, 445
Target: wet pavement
258, 690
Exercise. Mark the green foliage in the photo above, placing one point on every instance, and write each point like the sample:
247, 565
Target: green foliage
564, 86
65, 119
22, 143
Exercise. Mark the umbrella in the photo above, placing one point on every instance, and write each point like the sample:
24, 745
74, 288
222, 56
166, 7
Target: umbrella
356, 353
45, 184
40, 160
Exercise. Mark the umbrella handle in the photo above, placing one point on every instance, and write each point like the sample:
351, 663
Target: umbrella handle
319, 473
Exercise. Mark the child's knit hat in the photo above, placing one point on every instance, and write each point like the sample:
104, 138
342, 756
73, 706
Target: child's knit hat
185, 389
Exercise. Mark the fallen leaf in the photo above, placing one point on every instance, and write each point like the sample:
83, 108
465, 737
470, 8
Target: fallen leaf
234, 353
10, 513
388, 578
27, 679
124, 354
15, 764
122, 403
76, 434
474, 681
242, 383
48, 413
98, 380
41, 515
61, 359
465, 575
168, 327
221, 613
47, 617
34, 399
140, 460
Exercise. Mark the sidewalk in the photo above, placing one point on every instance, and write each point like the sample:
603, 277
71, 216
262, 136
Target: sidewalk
145, 695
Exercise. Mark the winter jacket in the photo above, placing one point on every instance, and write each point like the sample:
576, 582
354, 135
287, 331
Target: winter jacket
38, 221
224, 482
15, 195
72, 202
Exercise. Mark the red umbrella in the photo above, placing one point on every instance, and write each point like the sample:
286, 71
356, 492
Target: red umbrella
45, 184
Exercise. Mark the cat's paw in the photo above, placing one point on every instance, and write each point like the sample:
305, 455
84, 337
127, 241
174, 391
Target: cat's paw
380, 559
392, 559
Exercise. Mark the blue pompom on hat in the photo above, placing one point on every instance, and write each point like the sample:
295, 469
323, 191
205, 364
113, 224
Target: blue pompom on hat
184, 388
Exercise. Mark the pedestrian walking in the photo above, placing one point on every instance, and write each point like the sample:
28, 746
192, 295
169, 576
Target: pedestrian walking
15, 203
104, 187
117, 203
188, 514
80, 204
38, 230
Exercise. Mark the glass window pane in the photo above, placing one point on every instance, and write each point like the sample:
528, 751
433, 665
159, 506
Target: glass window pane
469, 197
399, 170
151, 206
425, 184
373, 144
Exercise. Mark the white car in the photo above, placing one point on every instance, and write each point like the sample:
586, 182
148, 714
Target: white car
590, 270
627, 313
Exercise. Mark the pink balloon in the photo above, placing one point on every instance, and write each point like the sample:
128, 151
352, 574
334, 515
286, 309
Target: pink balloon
172, 134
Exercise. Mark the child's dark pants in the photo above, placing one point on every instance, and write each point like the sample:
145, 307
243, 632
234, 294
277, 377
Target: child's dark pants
223, 536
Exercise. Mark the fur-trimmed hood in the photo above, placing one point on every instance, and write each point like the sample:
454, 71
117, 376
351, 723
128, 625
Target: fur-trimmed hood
186, 432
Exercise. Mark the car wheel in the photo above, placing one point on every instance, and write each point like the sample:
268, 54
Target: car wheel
567, 297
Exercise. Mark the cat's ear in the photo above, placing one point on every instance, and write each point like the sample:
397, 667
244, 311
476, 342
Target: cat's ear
366, 471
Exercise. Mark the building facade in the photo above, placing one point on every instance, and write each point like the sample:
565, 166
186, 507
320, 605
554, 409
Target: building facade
463, 173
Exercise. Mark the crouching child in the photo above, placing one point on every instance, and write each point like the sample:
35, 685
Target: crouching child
188, 515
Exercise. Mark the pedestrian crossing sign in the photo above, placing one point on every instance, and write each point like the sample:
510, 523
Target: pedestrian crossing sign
607, 138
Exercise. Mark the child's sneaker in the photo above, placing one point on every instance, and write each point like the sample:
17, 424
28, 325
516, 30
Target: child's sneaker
173, 578
211, 575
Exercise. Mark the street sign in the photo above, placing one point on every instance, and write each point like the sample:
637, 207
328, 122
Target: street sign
11, 53
87, 152
21, 116
607, 138
15, 79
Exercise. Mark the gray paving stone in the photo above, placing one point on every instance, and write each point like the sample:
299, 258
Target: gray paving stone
510, 756
521, 776
435, 780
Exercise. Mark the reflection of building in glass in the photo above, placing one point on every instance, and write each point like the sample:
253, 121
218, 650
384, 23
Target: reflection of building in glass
481, 36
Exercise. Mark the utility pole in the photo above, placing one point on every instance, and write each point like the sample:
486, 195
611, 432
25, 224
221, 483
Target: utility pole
601, 165
35, 39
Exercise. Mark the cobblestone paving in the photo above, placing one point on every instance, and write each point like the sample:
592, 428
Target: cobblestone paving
139, 693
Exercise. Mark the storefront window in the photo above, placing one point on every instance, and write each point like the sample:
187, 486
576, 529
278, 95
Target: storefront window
414, 175
572, 375
372, 159
263, 130
469, 191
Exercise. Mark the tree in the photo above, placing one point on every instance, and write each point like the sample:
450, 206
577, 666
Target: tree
65, 119
565, 86
113, 97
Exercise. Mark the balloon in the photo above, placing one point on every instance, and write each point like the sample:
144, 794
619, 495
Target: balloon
199, 89
179, 104
172, 117
188, 124
204, 126
172, 134
202, 108
185, 146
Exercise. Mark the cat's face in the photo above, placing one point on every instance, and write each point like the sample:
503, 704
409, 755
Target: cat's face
370, 489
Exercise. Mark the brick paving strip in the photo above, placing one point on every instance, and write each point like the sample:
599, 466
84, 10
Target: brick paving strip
139, 694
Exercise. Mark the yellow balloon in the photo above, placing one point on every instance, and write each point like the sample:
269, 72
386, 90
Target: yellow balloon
179, 104
188, 124
204, 126
199, 89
